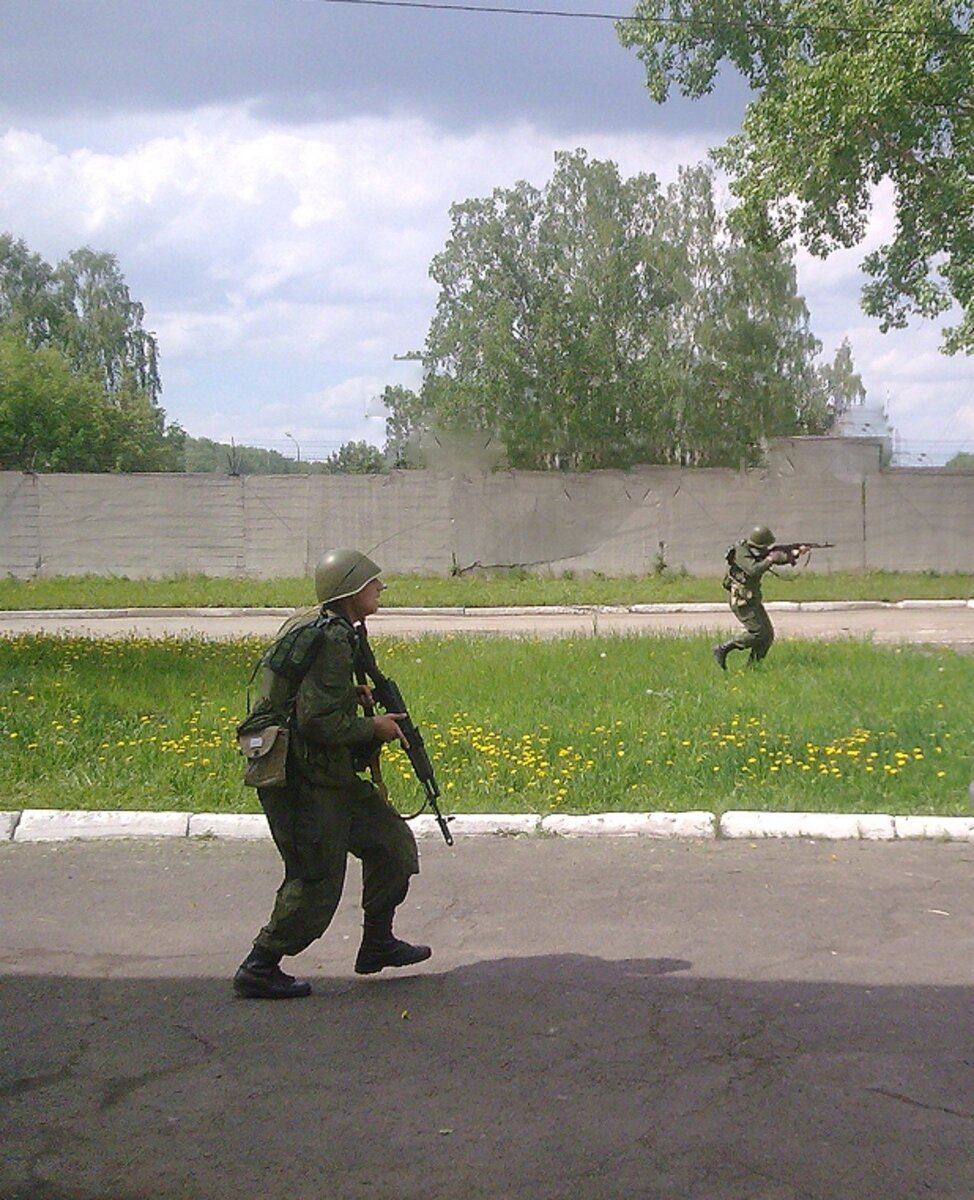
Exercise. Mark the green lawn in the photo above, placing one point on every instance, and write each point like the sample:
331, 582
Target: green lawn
519, 725
505, 588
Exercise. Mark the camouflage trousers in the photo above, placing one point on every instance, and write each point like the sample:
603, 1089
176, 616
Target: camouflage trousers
315, 829
759, 632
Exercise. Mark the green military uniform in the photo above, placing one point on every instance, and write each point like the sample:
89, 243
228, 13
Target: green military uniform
744, 584
747, 562
328, 810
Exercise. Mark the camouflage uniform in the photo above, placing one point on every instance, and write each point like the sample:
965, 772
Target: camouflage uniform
325, 809
747, 562
328, 810
743, 581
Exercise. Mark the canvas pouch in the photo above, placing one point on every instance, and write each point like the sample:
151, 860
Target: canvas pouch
266, 753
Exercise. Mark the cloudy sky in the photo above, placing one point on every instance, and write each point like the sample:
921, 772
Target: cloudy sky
275, 176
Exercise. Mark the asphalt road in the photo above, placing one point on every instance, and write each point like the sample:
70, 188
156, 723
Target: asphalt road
607, 1019
603, 1018
944, 623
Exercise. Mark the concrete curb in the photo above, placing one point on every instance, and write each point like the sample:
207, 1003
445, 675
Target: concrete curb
93, 614
480, 825
827, 826
954, 829
58, 825
248, 826
653, 825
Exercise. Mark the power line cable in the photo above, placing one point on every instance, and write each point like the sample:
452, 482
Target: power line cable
800, 27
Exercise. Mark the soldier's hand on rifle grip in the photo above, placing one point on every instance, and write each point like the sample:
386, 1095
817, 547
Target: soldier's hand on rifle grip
387, 728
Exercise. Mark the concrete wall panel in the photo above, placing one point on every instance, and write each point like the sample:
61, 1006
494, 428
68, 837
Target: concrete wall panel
429, 522
921, 520
275, 524
144, 526
403, 520
20, 526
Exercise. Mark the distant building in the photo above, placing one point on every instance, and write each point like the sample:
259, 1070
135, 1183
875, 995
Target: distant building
866, 420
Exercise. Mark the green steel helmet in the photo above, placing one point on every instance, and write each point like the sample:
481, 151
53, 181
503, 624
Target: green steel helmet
761, 536
342, 573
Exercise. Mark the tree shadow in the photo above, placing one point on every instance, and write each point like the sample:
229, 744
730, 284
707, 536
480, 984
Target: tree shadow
545, 1077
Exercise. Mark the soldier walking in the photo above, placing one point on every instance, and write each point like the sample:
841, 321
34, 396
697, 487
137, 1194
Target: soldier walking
326, 808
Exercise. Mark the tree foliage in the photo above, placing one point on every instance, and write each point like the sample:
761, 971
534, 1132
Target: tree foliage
100, 328
355, 458
227, 458
203, 455
602, 321
849, 93
79, 375
405, 418
56, 419
842, 383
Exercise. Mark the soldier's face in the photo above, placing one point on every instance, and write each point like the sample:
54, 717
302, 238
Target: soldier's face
365, 601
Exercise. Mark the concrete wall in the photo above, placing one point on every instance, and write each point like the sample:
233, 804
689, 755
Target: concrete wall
424, 522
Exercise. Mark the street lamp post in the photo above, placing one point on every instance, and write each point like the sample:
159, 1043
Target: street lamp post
296, 446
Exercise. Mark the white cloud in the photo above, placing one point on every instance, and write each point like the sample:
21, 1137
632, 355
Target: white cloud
317, 422
283, 267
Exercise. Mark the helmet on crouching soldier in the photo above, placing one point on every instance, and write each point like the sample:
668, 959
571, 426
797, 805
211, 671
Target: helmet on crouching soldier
341, 573
760, 537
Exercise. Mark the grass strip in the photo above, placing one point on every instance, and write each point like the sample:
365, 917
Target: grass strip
582, 725
470, 591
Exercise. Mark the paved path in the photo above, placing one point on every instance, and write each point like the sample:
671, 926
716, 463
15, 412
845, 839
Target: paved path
941, 622
607, 1019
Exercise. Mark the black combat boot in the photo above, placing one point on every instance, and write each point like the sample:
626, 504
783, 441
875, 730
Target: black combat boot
259, 977
721, 652
380, 947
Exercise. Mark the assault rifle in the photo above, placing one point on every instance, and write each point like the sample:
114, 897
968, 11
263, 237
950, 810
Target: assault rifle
791, 547
386, 692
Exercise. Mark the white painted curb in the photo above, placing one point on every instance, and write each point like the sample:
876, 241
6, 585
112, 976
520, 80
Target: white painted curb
249, 826
57, 825
524, 610
951, 829
653, 825
50, 825
827, 826
682, 825
484, 825
932, 603
426, 827
670, 609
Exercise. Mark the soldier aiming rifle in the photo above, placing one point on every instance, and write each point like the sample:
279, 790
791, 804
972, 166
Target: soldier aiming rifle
747, 562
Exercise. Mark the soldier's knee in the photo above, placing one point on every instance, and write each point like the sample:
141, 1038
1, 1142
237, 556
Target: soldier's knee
317, 899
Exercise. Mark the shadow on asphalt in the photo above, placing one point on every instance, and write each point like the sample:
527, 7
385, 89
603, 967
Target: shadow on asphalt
540, 1077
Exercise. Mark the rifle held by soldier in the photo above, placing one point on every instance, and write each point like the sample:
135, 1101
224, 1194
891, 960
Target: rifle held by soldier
385, 691
794, 549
